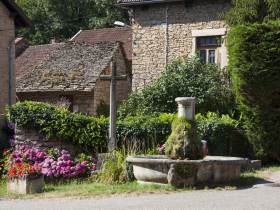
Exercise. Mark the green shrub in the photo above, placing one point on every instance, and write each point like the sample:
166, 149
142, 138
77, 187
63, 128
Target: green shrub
154, 129
252, 11
128, 170
191, 78
103, 109
254, 57
57, 123
216, 131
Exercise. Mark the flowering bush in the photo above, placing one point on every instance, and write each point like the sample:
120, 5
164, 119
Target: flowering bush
19, 169
59, 164
160, 149
54, 163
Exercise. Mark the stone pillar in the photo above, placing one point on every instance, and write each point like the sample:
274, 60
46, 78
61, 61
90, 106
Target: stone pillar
186, 106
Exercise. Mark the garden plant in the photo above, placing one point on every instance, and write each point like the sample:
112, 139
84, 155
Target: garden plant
254, 58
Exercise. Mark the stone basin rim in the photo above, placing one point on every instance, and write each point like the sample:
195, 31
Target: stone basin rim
161, 159
182, 99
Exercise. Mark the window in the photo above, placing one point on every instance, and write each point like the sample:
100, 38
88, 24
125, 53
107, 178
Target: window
70, 99
209, 41
208, 48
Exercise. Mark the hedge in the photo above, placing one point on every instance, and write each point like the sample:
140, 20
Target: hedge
88, 131
57, 123
254, 57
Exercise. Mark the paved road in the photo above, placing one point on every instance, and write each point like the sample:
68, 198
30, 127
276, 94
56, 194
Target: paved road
258, 198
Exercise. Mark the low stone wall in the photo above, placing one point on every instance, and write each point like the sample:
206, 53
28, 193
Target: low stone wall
36, 140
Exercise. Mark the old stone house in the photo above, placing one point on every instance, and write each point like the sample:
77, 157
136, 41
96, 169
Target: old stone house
170, 29
72, 69
11, 18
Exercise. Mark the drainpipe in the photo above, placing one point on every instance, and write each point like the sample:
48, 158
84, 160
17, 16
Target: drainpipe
166, 31
11, 64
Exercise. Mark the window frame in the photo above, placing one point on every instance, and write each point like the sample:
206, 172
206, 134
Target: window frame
208, 45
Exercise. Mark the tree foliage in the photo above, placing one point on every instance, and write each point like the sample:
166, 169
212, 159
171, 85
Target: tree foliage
254, 57
64, 18
191, 78
252, 11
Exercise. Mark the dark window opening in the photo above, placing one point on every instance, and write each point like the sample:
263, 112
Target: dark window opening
211, 56
209, 40
70, 98
203, 55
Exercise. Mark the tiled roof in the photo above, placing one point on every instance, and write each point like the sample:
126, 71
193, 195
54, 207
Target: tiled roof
123, 34
31, 57
21, 40
70, 66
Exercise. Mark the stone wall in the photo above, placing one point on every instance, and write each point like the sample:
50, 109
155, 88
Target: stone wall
124, 87
82, 101
35, 140
6, 35
149, 33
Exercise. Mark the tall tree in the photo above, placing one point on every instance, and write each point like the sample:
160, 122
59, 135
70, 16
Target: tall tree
64, 18
252, 11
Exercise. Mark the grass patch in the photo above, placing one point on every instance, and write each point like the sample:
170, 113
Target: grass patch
89, 188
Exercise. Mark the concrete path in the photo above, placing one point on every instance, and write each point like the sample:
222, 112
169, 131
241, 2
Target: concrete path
258, 197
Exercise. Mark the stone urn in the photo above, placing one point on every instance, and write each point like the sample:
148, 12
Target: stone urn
29, 183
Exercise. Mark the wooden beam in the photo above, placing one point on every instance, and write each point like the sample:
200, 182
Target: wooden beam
13, 14
105, 77
122, 77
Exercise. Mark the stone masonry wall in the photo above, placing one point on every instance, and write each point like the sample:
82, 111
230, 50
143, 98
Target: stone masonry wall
149, 28
82, 101
5, 37
124, 87
35, 140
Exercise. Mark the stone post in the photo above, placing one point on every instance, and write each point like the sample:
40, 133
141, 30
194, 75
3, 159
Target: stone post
186, 106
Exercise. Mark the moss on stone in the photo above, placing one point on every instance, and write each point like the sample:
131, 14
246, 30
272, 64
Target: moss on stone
186, 171
174, 146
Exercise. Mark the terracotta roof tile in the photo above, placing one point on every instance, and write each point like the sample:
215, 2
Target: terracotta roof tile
31, 57
123, 34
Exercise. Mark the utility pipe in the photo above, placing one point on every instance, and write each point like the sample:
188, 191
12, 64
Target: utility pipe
166, 31
11, 65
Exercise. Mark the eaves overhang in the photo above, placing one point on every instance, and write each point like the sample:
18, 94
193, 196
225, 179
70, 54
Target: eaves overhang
20, 19
126, 4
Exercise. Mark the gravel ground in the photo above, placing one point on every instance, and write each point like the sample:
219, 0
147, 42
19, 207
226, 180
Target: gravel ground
257, 197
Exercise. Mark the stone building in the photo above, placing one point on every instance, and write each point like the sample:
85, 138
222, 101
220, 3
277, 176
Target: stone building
169, 29
123, 34
11, 18
72, 69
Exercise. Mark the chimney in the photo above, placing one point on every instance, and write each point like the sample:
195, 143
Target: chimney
55, 40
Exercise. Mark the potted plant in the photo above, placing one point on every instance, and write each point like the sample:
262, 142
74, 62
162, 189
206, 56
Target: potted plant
24, 178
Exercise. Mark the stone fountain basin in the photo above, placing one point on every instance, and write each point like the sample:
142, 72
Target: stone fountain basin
179, 173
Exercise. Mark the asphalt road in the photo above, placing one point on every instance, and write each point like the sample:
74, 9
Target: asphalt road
257, 198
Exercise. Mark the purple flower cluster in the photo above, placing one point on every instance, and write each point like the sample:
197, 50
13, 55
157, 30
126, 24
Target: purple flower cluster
11, 141
31, 156
53, 164
160, 149
11, 126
